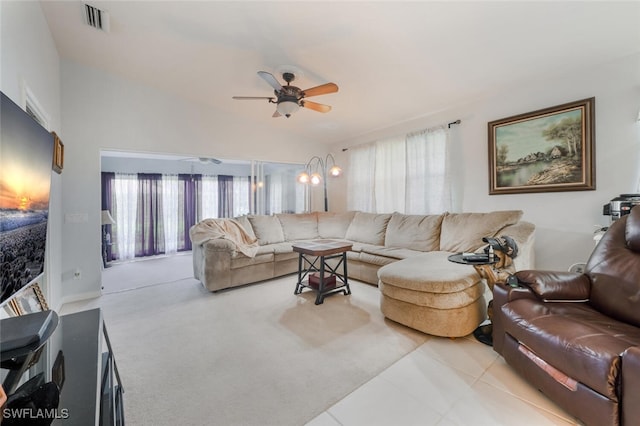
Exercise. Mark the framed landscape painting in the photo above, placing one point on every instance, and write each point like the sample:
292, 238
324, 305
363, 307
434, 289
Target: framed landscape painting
548, 150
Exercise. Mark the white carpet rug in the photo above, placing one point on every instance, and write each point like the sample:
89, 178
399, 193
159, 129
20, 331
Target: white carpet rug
256, 355
146, 271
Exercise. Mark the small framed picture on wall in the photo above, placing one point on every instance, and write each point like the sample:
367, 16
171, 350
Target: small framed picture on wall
58, 154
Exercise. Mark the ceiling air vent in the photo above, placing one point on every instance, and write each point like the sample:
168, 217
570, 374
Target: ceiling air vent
96, 18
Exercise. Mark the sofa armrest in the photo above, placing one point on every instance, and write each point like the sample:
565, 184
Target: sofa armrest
558, 286
630, 385
212, 263
220, 244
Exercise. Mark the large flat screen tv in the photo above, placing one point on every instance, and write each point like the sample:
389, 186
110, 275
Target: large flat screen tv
26, 157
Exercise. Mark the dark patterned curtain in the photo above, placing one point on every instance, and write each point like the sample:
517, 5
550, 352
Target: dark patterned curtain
149, 226
149, 222
225, 196
108, 203
189, 199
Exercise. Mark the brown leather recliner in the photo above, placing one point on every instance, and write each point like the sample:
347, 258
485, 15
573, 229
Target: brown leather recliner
576, 337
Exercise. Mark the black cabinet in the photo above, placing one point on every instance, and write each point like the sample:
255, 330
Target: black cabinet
78, 357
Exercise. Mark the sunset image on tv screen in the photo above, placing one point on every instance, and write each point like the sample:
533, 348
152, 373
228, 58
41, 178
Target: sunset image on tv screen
26, 154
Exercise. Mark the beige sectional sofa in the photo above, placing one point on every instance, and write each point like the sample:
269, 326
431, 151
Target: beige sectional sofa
405, 255
378, 240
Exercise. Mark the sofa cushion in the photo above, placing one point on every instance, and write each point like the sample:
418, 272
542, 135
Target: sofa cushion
431, 272
415, 232
390, 252
464, 231
368, 228
267, 229
376, 259
423, 297
334, 225
276, 248
244, 221
243, 261
302, 226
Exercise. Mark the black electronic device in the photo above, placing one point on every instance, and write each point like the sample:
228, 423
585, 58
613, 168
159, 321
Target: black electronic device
475, 257
26, 163
24, 330
621, 205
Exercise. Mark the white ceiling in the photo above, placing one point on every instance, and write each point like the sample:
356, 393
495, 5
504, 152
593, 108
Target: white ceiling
393, 61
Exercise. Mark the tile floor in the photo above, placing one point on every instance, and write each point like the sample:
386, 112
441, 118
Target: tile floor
446, 382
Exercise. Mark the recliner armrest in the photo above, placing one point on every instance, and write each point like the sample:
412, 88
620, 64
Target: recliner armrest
502, 294
630, 385
556, 286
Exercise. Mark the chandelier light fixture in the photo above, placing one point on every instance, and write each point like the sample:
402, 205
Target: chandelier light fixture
316, 171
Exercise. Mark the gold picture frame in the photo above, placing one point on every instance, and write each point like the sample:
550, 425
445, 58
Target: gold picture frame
27, 300
58, 154
547, 150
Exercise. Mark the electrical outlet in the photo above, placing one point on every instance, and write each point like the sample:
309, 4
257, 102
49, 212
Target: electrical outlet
77, 274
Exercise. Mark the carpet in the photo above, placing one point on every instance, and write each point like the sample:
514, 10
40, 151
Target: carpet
146, 271
254, 355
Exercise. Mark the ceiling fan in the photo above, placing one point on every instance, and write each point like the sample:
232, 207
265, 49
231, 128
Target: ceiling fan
203, 160
289, 98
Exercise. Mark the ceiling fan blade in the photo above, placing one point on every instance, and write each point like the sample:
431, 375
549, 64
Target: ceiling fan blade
269, 78
320, 90
251, 98
315, 106
276, 114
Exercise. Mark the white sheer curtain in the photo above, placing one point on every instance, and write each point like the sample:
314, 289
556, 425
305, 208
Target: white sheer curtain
209, 204
126, 191
276, 193
301, 197
241, 192
390, 172
361, 178
408, 174
170, 205
428, 179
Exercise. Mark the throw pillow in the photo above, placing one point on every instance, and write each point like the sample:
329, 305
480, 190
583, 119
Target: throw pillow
267, 229
244, 221
415, 232
303, 226
334, 225
464, 231
368, 228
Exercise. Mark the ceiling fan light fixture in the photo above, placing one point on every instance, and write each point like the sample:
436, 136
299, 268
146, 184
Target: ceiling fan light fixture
287, 108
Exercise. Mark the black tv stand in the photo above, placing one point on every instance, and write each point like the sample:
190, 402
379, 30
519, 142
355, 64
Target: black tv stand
78, 357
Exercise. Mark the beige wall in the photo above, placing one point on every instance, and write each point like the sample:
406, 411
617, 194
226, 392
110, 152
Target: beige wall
565, 221
92, 110
103, 111
29, 61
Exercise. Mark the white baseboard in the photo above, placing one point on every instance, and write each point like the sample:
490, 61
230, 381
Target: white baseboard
79, 297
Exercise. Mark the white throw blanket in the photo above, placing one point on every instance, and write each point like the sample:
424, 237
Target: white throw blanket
228, 229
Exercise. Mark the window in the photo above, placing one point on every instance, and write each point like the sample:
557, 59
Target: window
408, 174
154, 211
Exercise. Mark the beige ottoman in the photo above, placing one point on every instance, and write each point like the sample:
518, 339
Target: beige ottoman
431, 294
